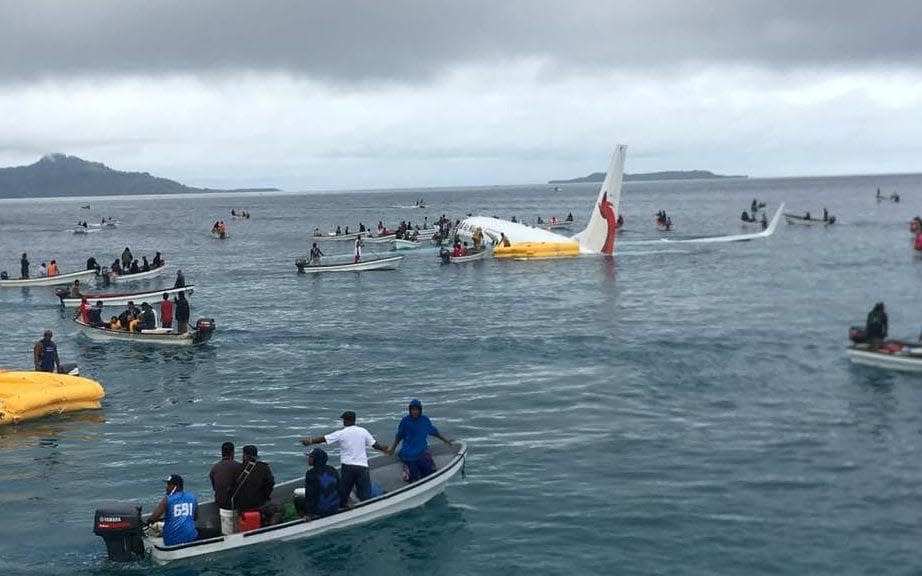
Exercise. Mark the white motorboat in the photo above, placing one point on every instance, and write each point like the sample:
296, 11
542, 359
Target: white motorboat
805, 221
84, 230
380, 239
892, 355
60, 279
471, 257
125, 278
119, 524
334, 264
122, 298
407, 244
201, 333
338, 237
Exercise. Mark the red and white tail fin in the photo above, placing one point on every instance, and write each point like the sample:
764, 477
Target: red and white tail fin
599, 235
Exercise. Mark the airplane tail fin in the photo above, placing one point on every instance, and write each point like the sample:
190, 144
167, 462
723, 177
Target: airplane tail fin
599, 235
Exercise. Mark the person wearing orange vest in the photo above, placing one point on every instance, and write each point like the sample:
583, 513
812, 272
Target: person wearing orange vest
53, 268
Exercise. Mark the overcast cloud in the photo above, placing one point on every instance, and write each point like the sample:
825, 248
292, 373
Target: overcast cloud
306, 95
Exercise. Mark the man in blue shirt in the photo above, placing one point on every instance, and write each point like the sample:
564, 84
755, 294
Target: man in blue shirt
179, 511
414, 430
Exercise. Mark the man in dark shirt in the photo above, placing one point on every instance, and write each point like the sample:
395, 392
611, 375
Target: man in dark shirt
223, 478
321, 488
96, 314
254, 485
182, 313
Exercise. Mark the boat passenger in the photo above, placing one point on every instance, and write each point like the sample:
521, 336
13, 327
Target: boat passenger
92, 264
114, 323
338, 231
321, 488
45, 353
166, 312
135, 268
254, 487
125, 317
53, 268
414, 430
179, 511
316, 254
825, 215
134, 324
540, 220
148, 318
223, 476
127, 258
24, 266
744, 216
352, 440
83, 312
182, 313
806, 216
764, 221
464, 251
145, 265
875, 329
456, 250
116, 268
95, 316
157, 262
75, 289
358, 250
503, 240
180, 280
569, 216
42, 271
477, 238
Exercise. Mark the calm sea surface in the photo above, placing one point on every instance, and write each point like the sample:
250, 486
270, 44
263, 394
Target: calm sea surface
676, 409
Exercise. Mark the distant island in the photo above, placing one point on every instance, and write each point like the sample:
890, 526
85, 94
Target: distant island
56, 175
648, 176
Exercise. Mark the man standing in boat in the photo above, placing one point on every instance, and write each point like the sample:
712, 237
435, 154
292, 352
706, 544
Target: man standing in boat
166, 312
876, 327
414, 430
223, 476
182, 313
353, 440
358, 249
23, 267
46, 354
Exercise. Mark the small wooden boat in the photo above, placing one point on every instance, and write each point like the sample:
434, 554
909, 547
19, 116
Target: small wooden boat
137, 276
407, 244
804, 221
121, 298
892, 355
29, 395
334, 264
471, 257
119, 524
60, 279
379, 239
202, 332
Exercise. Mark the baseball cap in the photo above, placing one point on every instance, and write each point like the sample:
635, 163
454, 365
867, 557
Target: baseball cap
348, 415
175, 479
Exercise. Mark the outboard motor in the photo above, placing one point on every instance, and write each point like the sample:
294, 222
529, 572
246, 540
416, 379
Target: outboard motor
119, 524
856, 334
204, 325
300, 264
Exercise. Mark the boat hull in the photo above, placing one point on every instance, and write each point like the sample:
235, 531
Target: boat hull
136, 277
59, 280
31, 395
158, 337
391, 263
385, 470
479, 255
800, 220
904, 362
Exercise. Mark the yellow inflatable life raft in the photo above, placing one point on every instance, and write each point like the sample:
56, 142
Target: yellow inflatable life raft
530, 250
30, 395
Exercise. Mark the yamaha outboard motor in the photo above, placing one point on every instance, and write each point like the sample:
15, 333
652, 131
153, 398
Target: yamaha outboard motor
119, 524
856, 334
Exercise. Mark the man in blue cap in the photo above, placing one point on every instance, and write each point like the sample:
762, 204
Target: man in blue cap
414, 430
321, 488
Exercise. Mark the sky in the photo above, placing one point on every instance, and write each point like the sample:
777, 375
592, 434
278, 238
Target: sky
366, 94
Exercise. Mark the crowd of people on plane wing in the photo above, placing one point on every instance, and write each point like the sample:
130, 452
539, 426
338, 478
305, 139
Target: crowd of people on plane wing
243, 489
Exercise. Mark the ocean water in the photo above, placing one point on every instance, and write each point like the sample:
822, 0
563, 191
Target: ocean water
675, 409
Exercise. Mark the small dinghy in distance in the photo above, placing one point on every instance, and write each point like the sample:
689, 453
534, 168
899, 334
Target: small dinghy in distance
331, 264
804, 221
891, 354
121, 298
60, 279
120, 524
202, 332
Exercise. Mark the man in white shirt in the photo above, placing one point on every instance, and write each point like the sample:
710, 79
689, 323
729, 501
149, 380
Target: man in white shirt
352, 440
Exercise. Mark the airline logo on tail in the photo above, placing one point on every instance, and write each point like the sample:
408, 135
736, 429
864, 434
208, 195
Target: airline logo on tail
611, 221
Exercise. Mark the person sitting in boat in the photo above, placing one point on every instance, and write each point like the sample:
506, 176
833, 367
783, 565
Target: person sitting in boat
75, 289
321, 488
315, 255
456, 250
125, 317
254, 487
114, 323
95, 315
45, 353
338, 231
764, 221
745, 217
43, 271
92, 264
53, 268
806, 215
145, 265
116, 268
413, 431
179, 510
148, 318
825, 215
514, 219
362, 227
135, 267
317, 232
134, 323
503, 240
157, 262
464, 250
223, 477
875, 329
540, 220
569, 217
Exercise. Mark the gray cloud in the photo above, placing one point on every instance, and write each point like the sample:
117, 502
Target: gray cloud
407, 41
